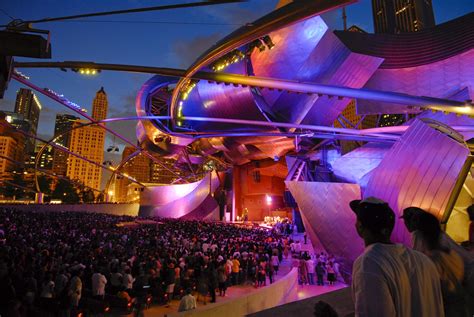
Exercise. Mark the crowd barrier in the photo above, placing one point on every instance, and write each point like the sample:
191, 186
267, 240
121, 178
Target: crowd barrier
111, 209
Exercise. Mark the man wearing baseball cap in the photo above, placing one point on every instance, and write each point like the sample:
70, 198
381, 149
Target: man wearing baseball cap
389, 279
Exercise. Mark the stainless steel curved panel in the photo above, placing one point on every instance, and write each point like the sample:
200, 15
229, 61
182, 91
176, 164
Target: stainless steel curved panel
176, 201
221, 101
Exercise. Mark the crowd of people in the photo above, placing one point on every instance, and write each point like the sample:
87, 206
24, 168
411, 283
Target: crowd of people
59, 261
316, 269
68, 262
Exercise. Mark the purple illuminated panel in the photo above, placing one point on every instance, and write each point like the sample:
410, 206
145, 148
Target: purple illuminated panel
420, 170
439, 79
189, 201
308, 52
355, 165
328, 217
221, 101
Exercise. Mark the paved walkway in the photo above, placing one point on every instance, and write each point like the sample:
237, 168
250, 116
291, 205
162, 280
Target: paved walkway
233, 292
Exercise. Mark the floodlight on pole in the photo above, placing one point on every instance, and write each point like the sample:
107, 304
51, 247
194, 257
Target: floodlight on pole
86, 71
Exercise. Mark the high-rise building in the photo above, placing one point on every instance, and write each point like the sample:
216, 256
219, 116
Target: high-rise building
139, 168
46, 159
160, 174
89, 142
28, 105
8, 152
400, 16
11, 149
100, 105
18, 121
64, 122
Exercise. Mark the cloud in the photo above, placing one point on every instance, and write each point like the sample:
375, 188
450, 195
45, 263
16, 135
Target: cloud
189, 50
126, 109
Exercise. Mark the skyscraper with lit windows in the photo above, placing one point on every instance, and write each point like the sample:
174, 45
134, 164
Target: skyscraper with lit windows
100, 105
89, 142
64, 122
28, 105
401, 16
139, 167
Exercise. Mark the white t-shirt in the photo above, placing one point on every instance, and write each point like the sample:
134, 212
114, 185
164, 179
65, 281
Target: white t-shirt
98, 284
275, 260
392, 280
188, 302
128, 281
310, 266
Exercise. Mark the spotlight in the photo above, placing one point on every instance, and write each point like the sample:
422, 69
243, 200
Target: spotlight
260, 45
268, 42
255, 44
86, 71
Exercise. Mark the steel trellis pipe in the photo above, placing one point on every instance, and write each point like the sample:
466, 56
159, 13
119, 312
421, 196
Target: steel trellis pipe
439, 104
117, 169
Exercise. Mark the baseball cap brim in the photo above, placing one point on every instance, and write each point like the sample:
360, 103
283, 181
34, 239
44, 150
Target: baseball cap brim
355, 205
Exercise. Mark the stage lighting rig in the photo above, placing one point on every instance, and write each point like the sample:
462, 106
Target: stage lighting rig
268, 42
86, 71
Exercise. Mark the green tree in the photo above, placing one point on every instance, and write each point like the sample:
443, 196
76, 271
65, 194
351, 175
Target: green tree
66, 192
87, 195
14, 188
